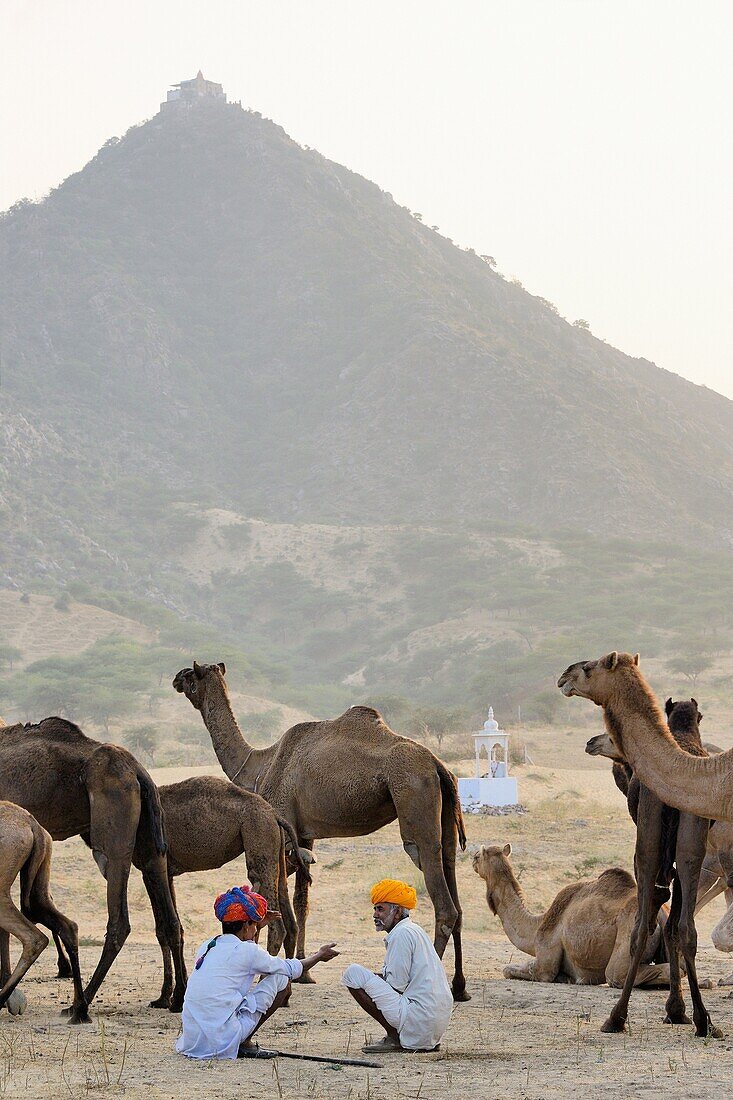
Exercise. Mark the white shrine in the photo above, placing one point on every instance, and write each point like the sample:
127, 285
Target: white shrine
492, 785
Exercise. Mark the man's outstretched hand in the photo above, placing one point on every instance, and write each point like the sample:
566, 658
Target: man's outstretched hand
323, 954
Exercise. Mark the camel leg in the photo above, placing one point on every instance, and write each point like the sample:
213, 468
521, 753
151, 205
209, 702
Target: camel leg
520, 973
263, 868
33, 940
449, 847
421, 839
646, 861
64, 966
690, 853
158, 886
675, 1006
118, 924
4, 956
300, 902
40, 908
285, 906
164, 1000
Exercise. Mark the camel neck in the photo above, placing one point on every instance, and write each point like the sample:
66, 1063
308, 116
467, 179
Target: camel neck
241, 761
519, 924
693, 784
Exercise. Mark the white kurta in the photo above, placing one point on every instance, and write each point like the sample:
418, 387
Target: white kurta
422, 1009
221, 1007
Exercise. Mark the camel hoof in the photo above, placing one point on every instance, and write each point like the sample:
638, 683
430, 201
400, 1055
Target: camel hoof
613, 1027
461, 995
17, 1003
64, 972
726, 981
160, 1002
706, 983
79, 1016
683, 1019
305, 979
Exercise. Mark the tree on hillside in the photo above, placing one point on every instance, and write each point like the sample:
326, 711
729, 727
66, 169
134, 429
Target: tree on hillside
143, 739
8, 655
691, 666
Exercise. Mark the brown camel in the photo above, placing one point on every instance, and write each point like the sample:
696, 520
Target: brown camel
583, 937
670, 849
75, 786
25, 850
346, 777
701, 785
208, 822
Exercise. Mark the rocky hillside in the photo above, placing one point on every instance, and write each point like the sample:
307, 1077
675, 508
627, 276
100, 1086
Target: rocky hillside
216, 310
243, 388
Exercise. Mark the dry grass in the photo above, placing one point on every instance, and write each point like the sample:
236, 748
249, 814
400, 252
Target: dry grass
511, 1040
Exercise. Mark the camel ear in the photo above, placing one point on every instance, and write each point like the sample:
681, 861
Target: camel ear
506, 850
198, 671
610, 661
222, 668
694, 703
636, 659
668, 706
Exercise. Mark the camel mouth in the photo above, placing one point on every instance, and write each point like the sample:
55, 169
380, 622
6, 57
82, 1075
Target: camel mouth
593, 746
567, 687
179, 680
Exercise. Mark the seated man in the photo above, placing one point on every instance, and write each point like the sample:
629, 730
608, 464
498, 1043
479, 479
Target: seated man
411, 998
223, 1008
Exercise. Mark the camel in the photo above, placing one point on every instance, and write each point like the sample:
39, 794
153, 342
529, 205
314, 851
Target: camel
75, 786
25, 850
208, 822
584, 937
700, 785
670, 848
346, 777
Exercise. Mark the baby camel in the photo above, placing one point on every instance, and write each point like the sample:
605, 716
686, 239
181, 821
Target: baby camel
583, 937
25, 850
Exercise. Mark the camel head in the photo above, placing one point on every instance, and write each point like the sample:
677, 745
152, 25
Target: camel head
684, 716
194, 682
595, 680
603, 745
491, 863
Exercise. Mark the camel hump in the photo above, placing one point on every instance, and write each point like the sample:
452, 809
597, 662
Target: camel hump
368, 712
559, 905
58, 729
615, 882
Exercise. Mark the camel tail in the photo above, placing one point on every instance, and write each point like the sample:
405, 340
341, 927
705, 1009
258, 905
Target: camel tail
449, 790
152, 811
40, 853
289, 831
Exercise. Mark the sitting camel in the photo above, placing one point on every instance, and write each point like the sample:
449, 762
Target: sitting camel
583, 937
75, 786
346, 777
25, 850
208, 822
670, 849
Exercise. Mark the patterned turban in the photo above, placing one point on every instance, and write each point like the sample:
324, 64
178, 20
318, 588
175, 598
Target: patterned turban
240, 903
394, 892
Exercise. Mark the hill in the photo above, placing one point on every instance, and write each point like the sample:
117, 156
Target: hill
235, 372
213, 308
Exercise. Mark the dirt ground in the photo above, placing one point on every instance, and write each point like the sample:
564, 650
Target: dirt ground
512, 1039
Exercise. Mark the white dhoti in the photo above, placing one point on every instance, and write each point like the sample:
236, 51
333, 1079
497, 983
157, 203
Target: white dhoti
387, 999
263, 994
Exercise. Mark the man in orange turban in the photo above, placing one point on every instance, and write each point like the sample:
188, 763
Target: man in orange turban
410, 998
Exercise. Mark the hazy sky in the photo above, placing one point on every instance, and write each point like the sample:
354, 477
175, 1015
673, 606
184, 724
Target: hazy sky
586, 144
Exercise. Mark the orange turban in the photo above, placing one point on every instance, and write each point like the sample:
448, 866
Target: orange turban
394, 892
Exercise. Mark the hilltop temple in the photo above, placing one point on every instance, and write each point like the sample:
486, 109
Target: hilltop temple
193, 91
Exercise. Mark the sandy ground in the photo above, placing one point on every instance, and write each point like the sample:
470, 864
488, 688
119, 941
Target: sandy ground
511, 1040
